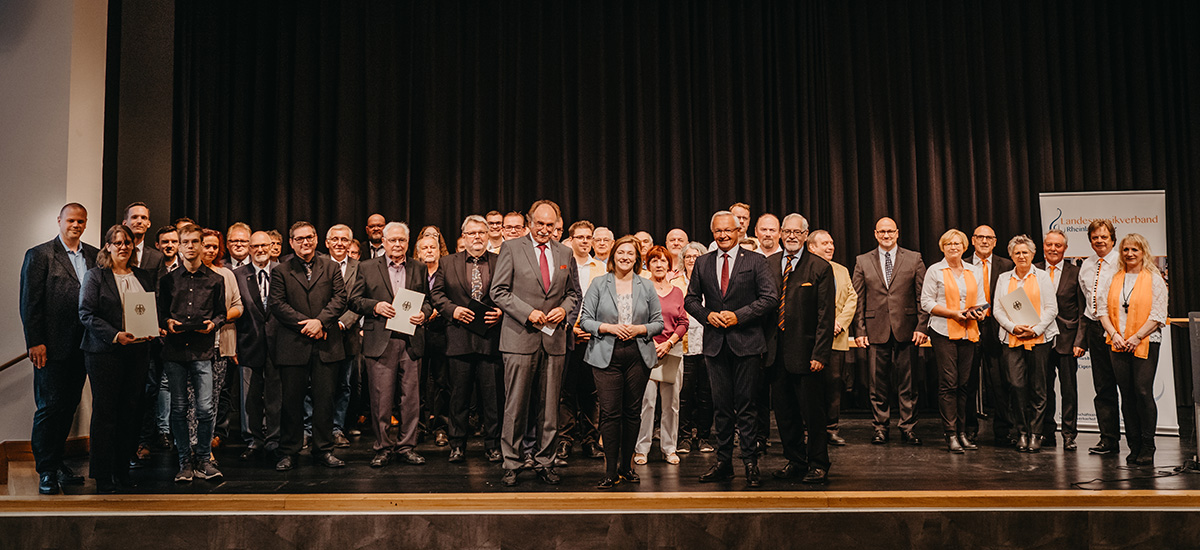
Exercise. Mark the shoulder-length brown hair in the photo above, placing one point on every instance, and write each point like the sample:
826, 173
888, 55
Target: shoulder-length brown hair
104, 259
637, 250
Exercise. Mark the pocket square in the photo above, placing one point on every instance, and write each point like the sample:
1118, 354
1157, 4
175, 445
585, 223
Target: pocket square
806, 284
564, 266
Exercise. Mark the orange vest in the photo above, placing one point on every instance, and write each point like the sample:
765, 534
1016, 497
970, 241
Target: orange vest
957, 330
1140, 302
1034, 292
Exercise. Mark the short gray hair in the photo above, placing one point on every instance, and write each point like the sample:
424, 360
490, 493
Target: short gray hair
338, 227
816, 233
1060, 233
792, 216
1021, 239
473, 218
391, 226
693, 245
712, 221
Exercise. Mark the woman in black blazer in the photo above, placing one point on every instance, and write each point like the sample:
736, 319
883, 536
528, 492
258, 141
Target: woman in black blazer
116, 361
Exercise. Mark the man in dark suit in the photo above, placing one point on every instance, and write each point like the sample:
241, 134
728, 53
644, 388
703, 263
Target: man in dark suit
50, 278
261, 389
473, 359
337, 242
734, 293
391, 353
1068, 346
988, 362
535, 286
145, 256
804, 340
890, 325
307, 298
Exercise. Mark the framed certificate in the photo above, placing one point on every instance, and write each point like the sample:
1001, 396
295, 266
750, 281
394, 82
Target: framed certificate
407, 304
141, 314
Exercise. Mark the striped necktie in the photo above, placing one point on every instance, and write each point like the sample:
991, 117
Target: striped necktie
787, 270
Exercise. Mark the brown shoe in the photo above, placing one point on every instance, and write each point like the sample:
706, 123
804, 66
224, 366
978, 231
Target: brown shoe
143, 452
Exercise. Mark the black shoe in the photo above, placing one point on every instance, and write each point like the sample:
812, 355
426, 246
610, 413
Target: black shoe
456, 455
953, 444
284, 464
163, 442
791, 470
329, 461
1145, 457
608, 483
125, 482
629, 475
493, 455
836, 440
881, 438
815, 476
705, 446
510, 478
558, 462
753, 478
68, 477
910, 438
593, 449
411, 457
251, 453
104, 487
1133, 456
441, 439
48, 484
529, 463
382, 458
721, 471
564, 450
1069, 443
684, 446
1023, 443
549, 476
1048, 441
340, 441
1104, 448
1035, 443
967, 443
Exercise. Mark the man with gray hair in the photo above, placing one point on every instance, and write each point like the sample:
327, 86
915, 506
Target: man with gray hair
337, 242
1063, 360
602, 242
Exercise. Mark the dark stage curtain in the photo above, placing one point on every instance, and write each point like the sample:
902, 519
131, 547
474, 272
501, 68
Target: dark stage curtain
651, 115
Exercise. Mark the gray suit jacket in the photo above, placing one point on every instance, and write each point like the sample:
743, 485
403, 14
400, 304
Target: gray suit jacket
517, 290
889, 310
351, 336
600, 306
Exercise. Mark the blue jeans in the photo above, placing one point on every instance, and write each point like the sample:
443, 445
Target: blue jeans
341, 397
201, 375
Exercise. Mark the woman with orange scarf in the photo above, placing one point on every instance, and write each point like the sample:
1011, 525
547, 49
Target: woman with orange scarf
1133, 308
953, 296
1028, 351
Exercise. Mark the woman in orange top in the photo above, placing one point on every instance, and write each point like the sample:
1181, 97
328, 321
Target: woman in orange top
953, 296
1133, 309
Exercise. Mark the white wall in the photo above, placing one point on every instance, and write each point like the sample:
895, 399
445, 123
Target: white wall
52, 56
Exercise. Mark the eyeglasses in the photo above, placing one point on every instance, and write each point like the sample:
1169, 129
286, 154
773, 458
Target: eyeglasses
305, 239
338, 240
473, 233
886, 231
122, 244
984, 237
724, 231
513, 226
258, 246
793, 232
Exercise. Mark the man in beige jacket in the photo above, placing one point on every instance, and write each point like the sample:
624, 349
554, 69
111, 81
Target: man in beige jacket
820, 242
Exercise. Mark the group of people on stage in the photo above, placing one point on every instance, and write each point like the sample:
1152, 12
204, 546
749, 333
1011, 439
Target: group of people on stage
540, 343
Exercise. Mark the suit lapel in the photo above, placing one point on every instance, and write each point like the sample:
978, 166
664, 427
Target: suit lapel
60, 252
110, 281
878, 269
252, 284
534, 264
387, 279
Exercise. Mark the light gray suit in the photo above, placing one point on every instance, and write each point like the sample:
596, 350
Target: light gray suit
533, 360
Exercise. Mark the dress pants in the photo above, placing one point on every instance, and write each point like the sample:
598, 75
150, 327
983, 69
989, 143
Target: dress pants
483, 374
341, 397
296, 380
619, 388
57, 388
800, 407
669, 425
579, 408
1025, 372
150, 399
1066, 367
384, 373
695, 398
834, 375
1135, 379
435, 398
523, 374
1105, 382
736, 383
891, 366
118, 382
954, 359
263, 399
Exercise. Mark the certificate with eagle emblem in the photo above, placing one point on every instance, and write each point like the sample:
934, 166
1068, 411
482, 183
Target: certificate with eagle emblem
1019, 309
141, 314
407, 304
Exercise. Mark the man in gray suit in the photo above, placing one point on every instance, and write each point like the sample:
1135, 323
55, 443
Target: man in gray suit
535, 285
337, 242
888, 279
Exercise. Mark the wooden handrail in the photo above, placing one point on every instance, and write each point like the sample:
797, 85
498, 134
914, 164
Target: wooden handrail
13, 361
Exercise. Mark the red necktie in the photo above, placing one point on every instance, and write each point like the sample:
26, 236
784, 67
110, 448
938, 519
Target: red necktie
724, 273
545, 264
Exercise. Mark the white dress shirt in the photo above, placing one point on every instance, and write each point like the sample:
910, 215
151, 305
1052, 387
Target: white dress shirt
1158, 310
1089, 284
933, 293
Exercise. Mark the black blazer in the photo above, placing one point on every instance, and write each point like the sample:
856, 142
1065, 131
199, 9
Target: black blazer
1070, 309
102, 312
989, 329
451, 289
253, 343
152, 260
352, 338
753, 295
375, 285
295, 298
809, 312
50, 298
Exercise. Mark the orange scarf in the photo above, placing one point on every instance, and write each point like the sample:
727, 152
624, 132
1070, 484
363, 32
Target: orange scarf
1140, 301
1034, 292
957, 330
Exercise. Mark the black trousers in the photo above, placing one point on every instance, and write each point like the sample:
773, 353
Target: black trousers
154, 375
954, 359
1135, 379
834, 375
1065, 366
1025, 372
264, 400
118, 383
57, 388
485, 375
435, 385
296, 380
987, 375
695, 399
1104, 380
736, 383
892, 368
801, 406
579, 408
619, 389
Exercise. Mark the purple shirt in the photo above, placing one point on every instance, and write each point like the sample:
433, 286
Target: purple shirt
398, 275
675, 320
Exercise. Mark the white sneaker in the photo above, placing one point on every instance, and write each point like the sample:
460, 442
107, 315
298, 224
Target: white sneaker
639, 458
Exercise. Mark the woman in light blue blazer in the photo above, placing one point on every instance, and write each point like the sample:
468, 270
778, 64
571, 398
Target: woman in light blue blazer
622, 313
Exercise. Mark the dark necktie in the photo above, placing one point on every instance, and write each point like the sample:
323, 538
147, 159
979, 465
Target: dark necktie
545, 265
724, 273
787, 270
888, 268
308, 267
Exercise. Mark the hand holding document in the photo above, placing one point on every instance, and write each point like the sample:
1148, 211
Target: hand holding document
141, 314
1019, 309
407, 304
